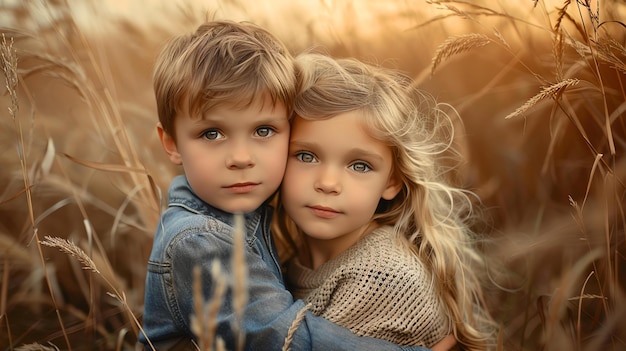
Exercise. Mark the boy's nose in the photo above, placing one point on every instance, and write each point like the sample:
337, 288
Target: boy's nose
240, 157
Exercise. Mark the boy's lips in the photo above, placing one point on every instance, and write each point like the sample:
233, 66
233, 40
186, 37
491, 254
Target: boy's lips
324, 212
241, 188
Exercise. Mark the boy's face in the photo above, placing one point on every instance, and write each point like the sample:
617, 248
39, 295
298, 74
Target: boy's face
234, 158
336, 175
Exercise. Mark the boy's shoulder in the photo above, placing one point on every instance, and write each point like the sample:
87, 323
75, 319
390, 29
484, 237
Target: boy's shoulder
180, 191
186, 213
180, 232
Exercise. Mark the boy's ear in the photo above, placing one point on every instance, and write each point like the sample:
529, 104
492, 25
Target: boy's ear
394, 185
169, 145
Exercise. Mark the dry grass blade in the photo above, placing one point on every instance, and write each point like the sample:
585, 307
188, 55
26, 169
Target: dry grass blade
8, 60
37, 347
106, 166
608, 50
212, 309
198, 321
470, 4
557, 306
3, 297
203, 323
294, 326
458, 44
546, 92
500, 37
240, 287
70, 248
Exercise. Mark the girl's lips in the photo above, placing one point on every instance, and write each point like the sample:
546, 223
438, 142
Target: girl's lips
324, 212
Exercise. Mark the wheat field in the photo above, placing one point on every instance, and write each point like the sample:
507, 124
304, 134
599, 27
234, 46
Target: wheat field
539, 86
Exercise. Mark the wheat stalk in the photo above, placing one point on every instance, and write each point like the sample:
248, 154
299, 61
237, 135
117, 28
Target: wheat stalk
9, 68
562, 13
70, 248
203, 323
456, 45
73, 250
549, 91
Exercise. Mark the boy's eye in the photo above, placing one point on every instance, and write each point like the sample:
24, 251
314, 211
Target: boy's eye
265, 132
305, 157
360, 167
212, 134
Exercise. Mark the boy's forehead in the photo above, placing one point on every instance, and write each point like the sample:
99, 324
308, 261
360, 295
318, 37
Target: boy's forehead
263, 109
259, 102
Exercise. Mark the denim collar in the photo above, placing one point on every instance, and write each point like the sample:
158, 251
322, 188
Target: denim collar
182, 195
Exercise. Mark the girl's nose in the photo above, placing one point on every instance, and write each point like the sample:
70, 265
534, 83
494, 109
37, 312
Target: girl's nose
328, 181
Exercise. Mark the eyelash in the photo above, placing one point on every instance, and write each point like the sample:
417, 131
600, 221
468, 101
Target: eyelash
367, 166
270, 130
211, 131
301, 154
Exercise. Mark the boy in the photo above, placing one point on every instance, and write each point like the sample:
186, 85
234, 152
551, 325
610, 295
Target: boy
224, 98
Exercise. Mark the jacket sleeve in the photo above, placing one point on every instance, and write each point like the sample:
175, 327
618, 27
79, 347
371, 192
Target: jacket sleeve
270, 310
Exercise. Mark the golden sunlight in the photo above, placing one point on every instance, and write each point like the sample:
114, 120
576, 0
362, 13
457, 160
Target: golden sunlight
538, 86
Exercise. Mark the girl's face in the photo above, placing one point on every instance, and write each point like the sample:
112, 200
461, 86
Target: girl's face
336, 175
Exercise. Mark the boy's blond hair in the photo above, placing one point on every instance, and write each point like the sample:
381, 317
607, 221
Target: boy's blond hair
222, 63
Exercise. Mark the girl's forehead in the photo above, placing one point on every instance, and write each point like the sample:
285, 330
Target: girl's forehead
346, 127
351, 121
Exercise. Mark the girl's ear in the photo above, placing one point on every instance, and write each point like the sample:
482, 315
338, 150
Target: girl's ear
394, 185
169, 145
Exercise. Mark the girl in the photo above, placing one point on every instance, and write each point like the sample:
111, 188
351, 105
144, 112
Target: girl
383, 243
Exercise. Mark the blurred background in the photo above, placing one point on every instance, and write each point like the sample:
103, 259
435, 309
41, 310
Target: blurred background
539, 86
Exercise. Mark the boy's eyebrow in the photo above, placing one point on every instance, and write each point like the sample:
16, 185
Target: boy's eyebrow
261, 120
273, 119
356, 152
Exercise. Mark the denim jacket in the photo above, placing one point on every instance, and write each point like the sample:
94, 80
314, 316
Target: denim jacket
192, 233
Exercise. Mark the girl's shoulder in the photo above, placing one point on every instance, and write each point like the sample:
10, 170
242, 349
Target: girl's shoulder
381, 251
383, 241
379, 264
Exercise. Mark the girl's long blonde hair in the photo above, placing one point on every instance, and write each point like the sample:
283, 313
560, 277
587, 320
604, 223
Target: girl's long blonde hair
429, 215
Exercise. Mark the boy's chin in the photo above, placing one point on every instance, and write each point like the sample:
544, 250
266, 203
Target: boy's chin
242, 207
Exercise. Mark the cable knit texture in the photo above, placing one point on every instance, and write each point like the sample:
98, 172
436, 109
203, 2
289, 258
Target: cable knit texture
375, 288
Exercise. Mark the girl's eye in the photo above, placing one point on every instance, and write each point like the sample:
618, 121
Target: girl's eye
305, 157
360, 167
265, 132
212, 134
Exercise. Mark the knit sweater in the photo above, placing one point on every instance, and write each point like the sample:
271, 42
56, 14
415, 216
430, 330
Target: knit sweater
375, 288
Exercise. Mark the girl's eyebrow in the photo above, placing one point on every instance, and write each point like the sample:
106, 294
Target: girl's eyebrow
362, 153
303, 144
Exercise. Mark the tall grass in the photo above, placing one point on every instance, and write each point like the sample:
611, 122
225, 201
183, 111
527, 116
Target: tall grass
539, 86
